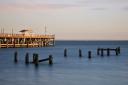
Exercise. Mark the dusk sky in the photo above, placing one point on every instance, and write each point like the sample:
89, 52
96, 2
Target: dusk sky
68, 19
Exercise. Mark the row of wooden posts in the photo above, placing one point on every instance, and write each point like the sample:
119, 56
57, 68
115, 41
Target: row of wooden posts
100, 51
35, 59
80, 53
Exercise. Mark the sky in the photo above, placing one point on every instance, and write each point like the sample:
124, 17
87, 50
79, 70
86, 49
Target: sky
67, 19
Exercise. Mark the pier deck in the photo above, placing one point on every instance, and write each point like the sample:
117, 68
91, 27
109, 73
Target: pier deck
21, 40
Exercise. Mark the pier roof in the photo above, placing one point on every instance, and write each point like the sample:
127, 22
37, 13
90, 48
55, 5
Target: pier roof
26, 30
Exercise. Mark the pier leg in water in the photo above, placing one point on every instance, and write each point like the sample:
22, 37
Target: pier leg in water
89, 55
50, 60
102, 52
34, 57
98, 51
80, 53
116, 50
65, 52
108, 52
16, 57
27, 58
36, 60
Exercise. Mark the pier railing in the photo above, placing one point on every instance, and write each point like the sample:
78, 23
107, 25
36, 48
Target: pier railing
5, 35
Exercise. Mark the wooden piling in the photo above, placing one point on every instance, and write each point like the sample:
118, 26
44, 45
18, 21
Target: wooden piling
14, 43
80, 53
98, 53
50, 60
118, 49
65, 52
36, 59
27, 58
89, 55
117, 52
15, 57
102, 52
108, 52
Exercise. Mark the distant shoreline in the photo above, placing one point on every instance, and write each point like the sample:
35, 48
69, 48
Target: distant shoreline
91, 42
96, 40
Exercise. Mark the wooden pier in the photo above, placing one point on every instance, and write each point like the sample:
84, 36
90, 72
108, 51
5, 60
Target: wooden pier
26, 40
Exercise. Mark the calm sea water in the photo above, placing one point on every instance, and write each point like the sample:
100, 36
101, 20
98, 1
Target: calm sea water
112, 70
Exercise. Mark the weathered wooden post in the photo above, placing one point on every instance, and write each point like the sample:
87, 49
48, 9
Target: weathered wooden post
89, 55
15, 57
50, 60
98, 53
117, 52
65, 52
80, 53
102, 52
27, 58
108, 52
36, 59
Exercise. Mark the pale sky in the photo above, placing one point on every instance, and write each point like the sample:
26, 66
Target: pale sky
68, 19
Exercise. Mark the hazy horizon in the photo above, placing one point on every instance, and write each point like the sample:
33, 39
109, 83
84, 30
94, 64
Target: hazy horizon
67, 19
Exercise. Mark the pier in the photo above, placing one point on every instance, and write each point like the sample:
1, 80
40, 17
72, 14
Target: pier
26, 39
100, 51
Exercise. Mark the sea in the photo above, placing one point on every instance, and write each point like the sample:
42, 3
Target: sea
70, 70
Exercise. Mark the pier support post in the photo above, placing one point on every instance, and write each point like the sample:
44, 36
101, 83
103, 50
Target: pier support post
80, 53
36, 59
108, 52
102, 52
0, 43
50, 60
27, 58
16, 57
14, 43
65, 52
117, 52
27, 43
7, 44
118, 49
89, 55
98, 51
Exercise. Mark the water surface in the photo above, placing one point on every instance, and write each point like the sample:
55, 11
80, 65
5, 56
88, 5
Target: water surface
112, 70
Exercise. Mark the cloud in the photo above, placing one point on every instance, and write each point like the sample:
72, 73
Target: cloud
99, 8
103, 1
40, 5
106, 5
7, 7
36, 5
